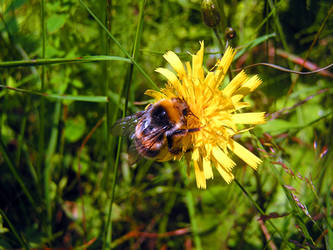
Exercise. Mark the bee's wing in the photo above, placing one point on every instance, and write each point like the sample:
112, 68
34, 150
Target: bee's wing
126, 125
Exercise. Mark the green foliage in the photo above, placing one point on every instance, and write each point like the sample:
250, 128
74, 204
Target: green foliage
67, 182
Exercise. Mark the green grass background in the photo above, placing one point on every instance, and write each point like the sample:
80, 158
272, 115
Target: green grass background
69, 69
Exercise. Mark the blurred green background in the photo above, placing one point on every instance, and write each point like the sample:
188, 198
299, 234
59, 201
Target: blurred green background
66, 76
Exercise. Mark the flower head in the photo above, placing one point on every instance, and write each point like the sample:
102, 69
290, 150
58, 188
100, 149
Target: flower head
214, 110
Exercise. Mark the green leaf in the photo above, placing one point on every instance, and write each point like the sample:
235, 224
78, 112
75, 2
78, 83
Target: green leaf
2, 228
276, 126
55, 22
14, 5
75, 128
253, 43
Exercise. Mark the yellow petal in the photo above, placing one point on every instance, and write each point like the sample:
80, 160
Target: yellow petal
249, 118
240, 105
252, 83
210, 80
223, 65
197, 70
168, 75
246, 88
223, 159
176, 63
189, 70
172, 80
195, 154
252, 160
170, 93
199, 175
226, 175
237, 81
155, 94
207, 168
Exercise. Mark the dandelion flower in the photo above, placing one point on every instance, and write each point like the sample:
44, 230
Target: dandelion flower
215, 111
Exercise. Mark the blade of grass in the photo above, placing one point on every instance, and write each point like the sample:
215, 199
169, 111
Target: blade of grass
315, 39
278, 25
194, 225
259, 209
108, 107
190, 204
171, 197
281, 35
21, 134
30, 165
23, 243
252, 44
41, 140
127, 83
125, 90
60, 97
151, 82
48, 162
298, 215
329, 221
49, 61
15, 173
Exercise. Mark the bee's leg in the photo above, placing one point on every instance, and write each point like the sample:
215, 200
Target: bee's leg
170, 136
178, 132
191, 130
175, 151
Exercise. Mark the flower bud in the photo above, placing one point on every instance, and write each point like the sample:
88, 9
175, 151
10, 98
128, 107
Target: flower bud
210, 13
230, 33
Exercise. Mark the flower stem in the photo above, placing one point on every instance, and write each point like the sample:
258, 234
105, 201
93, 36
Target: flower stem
221, 43
194, 226
257, 207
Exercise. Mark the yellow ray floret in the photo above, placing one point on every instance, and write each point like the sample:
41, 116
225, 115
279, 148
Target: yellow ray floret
215, 111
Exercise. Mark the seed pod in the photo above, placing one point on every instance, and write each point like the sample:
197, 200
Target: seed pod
210, 13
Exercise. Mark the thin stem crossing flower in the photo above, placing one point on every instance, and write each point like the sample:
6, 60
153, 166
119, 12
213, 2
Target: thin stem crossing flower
214, 110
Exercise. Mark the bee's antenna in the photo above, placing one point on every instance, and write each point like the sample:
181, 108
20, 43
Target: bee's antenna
191, 113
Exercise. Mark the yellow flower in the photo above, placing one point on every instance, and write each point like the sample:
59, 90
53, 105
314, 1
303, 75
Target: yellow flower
215, 112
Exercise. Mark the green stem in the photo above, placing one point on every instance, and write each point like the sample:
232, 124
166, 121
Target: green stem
60, 97
151, 82
108, 229
109, 107
41, 142
15, 173
24, 244
194, 225
47, 61
220, 41
128, 79
259, 209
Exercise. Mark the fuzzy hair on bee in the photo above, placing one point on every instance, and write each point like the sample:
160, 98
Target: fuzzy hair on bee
159, 128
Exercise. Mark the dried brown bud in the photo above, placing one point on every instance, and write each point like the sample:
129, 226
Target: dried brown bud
210, 13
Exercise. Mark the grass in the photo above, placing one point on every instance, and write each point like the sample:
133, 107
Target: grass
71, 70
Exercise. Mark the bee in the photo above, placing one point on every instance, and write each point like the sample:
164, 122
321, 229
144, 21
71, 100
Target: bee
157, 131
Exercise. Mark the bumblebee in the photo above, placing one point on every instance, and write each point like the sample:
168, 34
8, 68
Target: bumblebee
157, 131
